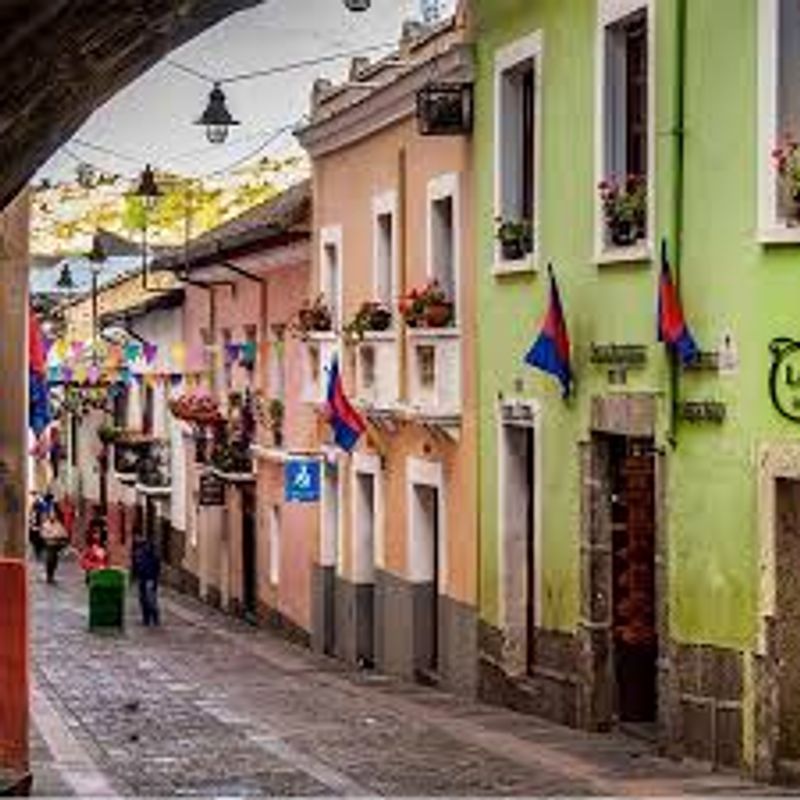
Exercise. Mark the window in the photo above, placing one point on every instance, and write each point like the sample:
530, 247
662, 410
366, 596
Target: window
779, 115
443, 245
624, 157
443, 235
517, 105
331, 271
249, 356
384, 210
227, 362
426, 364
367, 366
121, 409
277, 367
274, 545
148, 411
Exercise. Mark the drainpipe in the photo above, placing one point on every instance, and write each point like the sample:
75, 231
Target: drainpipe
402, 260
679, 155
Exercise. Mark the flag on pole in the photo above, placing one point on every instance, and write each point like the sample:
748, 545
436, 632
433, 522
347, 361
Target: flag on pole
38, 400
348, 425
551, 350
672, 327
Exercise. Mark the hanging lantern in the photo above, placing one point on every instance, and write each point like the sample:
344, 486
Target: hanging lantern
216, 118
65, 280
357, 5
148, 189
445, 109
97, 255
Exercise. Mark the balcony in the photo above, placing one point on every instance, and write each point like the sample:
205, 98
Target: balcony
377, 370
320, 348
154, 471
434, 373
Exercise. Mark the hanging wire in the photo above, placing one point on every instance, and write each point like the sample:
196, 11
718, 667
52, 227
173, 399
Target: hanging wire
279, 69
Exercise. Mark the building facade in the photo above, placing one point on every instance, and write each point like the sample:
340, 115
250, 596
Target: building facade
648, 511
396, 559
246, 549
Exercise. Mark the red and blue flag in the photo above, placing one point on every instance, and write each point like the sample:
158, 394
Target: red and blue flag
347, 424
551, 350
672, 327
38, 400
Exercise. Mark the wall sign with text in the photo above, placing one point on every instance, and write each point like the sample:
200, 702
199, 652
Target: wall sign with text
784, 377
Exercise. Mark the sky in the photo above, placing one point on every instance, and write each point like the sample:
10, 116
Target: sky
150, 121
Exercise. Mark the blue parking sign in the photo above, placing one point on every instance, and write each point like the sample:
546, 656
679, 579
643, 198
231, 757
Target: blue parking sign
302, 479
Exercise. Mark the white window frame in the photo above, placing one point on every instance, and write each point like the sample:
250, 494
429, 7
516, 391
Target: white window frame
506, 58
420, 472
330, 542
771, 230
367, 464
275, 533
534, 421
385, 204
442, 187
332, 235
610, 12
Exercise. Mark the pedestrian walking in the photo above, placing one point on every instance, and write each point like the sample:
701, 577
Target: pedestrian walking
55, 540
146, 569
94, 555
98, 526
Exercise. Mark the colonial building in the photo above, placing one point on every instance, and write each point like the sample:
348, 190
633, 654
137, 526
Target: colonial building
240, 413
637, 539
396, 559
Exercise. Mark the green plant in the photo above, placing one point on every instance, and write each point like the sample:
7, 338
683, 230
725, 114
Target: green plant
427, 307
786, 157
371, 316
515, 232
108, 434
625, 208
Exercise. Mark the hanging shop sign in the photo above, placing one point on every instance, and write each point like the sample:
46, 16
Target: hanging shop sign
784, 377
302, 480
699, 411
445, 109
212, 490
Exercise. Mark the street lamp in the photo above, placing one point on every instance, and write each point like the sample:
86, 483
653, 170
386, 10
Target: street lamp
65, 280
217, 119
149, 193
96, 258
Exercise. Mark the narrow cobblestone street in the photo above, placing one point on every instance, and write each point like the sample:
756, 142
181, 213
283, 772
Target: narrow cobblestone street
208, 706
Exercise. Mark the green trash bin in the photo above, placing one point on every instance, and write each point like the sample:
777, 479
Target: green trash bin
107, 599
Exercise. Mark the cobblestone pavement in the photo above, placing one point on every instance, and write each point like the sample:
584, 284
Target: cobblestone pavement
208, 706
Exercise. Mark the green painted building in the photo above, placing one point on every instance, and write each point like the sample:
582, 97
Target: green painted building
640, 542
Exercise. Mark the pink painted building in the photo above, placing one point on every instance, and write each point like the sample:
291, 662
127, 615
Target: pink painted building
244, 548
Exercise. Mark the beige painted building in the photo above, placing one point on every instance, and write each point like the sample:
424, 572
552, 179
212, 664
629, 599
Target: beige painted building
396, 558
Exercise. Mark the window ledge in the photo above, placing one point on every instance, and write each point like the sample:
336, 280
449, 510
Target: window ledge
523, 266
779, 234
638, 254
321, 336
434, 333
378, 336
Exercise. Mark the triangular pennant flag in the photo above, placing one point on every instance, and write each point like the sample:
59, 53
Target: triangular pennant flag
77, 349
132, 351
178, 353
175, 379
672, 327
551, 350
150, 352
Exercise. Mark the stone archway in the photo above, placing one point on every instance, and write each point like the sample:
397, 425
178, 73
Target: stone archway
62, 59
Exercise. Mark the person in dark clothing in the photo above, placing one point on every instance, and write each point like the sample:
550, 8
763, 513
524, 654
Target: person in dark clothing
98, 527
146, 569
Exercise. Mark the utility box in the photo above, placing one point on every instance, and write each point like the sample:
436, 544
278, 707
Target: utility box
107, 599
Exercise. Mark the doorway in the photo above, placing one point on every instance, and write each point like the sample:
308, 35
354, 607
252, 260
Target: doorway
632, 503
426, 535
518, 481
329, 557
787, 617
365, 511
249, 554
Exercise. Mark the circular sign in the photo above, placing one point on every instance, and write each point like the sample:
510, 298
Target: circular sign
784, 377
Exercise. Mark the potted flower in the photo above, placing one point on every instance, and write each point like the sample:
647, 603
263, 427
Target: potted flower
624, 209
786, 157
515, 237
427, 307
275, 412
371, 316
315, 317
108, 434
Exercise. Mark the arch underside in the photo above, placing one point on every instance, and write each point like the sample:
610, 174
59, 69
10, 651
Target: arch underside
61, 59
